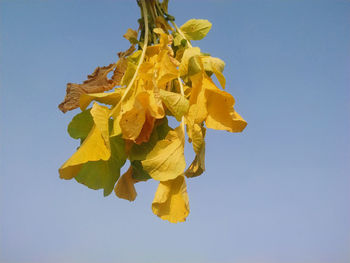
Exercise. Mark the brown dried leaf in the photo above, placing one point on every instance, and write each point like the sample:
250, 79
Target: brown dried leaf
96, 82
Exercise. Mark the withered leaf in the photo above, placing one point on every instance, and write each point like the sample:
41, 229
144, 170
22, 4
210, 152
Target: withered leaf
96, 82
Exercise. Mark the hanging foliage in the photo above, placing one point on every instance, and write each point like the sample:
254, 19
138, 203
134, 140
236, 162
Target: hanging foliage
160, 75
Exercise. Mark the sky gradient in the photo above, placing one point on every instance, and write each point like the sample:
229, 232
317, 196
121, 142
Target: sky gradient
277, 193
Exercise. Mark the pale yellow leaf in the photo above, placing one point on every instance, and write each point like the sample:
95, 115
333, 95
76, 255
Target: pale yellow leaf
196, 29
175, 102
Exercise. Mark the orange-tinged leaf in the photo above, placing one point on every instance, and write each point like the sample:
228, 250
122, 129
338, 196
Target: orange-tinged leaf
171, 200
151, 101
147, 129
125, 186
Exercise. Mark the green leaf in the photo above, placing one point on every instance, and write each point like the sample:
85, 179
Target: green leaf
81, 125
196, 29
104, 174
175, 102
177, 39
138, 173
194, 66
187, 55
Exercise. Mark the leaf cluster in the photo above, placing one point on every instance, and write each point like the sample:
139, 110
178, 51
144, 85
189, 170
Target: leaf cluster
164, 77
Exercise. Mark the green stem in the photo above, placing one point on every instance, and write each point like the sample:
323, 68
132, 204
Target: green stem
145, 16
183, 94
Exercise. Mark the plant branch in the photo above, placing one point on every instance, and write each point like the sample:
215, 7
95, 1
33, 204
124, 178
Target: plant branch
145, 43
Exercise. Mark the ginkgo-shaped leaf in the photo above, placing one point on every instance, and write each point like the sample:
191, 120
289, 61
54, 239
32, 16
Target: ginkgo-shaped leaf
221, 114
196, 29
171, 200
95, 147
175, 102
104, 174
125, 188
166, 161
81, 125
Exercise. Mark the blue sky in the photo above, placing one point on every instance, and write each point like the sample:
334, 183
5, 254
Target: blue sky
277, 193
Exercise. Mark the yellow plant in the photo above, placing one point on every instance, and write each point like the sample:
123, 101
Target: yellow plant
166, 76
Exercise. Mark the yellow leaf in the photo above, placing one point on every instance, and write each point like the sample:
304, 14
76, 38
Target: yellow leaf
146, 130
197, 137
100, 115
167, 70
197, 167
146, 107
125, 186
132, 122
111, 98
171, 200
166, 161
95, 147
158, 30
198, 134
221, 114
151, 101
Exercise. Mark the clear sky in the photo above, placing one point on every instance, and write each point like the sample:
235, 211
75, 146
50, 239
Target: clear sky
277, 193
